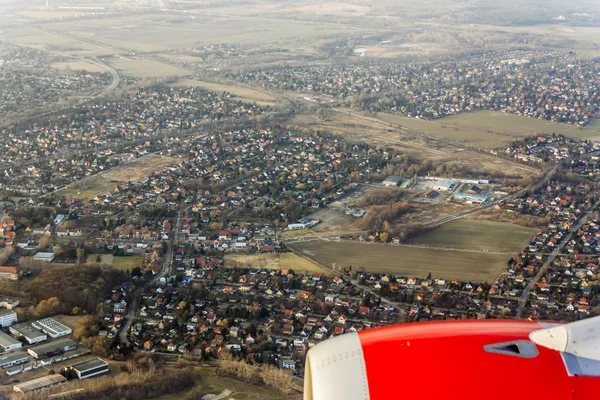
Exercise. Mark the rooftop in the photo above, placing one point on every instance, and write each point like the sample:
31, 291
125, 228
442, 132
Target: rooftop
12, 357
89, 364
44, 255
27, 330
4, 312
52, 326
7, 341
40, 383
45, 348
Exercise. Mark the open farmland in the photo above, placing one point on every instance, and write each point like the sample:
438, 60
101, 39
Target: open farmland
239, 93
402, 260
157, 31
489, 129
143, 68
273, 261
133, 171
78, 65
477, 235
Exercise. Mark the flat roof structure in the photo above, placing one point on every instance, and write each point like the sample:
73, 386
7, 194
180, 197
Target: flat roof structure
56, 347
89, 368
8, 342
13, 359
52, 327
393, 180
44, 256
44, 382
28, 332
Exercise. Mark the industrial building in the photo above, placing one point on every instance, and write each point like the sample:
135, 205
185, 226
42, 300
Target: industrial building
27, 332
52, 327
44, 256
9, 304
35, 385
8, 343
52, 348
13, 359
393, 181
7, 317
471, 198
89, 368
443, 185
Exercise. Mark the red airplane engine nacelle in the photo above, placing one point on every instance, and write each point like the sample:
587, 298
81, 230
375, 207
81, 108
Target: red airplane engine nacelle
516, 360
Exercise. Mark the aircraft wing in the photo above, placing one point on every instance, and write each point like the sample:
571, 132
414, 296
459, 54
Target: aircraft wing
506, 359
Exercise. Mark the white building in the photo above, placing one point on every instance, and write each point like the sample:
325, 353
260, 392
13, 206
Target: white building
52, 327
7, 317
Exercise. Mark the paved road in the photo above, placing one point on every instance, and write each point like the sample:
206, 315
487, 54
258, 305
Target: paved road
166, 270
550, 259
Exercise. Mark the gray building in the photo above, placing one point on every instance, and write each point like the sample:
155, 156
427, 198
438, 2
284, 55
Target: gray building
52, 348
27, 332
9, 343
89, 368
13, 359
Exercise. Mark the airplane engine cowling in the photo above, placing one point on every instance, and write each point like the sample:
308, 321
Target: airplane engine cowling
336, 369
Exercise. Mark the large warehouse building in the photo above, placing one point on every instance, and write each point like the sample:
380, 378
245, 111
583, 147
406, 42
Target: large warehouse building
35, 385
53, 348
27, 332
89, 368
52, 327
8, 342
11, 359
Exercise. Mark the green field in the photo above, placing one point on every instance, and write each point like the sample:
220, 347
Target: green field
490, 129
477, 235
401, 260
127, 263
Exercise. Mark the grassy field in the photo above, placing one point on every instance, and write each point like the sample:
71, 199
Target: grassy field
78, 65
240, 93
213, 384
488, 129
476, 267
273, 261
133, 171
127, 263
158, 32
477, 235
142, 68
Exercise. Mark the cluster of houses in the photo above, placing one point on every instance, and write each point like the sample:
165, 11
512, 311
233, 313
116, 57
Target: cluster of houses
543, 149
551, 85
26, 86
267, 315
143, 113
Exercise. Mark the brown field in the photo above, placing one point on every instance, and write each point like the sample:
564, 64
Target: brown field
211, 383
401, 260
240, 93
489, 129
143, 68
358, 127
133, 171
273, 261
78, 65
472, 234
